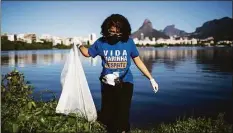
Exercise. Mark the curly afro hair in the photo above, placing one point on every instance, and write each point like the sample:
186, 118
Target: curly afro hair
118, 21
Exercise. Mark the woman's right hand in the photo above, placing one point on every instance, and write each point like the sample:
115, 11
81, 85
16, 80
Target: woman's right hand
77, 42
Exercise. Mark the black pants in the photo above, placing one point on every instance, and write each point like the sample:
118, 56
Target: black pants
115, 106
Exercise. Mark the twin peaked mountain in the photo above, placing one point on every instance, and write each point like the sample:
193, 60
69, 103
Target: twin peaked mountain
220, 29
148, 31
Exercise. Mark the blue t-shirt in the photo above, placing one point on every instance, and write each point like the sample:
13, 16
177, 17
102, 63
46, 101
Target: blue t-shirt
115, 58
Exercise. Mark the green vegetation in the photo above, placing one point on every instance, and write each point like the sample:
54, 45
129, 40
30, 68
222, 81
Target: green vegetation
192, 125
61, 46
19, 45
22, 113
7, 45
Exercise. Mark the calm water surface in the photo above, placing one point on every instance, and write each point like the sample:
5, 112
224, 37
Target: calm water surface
193, 81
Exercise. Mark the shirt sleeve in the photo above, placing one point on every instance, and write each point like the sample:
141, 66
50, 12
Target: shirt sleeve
93, 50
134, 52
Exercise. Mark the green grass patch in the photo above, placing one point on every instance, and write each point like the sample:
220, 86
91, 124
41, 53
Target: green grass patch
192, 125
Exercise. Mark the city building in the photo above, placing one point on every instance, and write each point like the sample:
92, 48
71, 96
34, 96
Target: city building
29, 38
39, 40
20, 37
46, 37
225, 41
160, 41
153, 40
194, 41
136, 41
56, 40
11, 37
142, 36
92, 38
207, 41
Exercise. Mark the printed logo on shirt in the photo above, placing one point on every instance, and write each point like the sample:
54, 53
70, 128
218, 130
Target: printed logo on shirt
115, 59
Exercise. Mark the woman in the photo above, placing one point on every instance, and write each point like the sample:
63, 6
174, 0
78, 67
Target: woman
116, 48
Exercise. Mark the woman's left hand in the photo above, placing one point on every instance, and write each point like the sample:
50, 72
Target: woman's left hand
145, 71
154, 85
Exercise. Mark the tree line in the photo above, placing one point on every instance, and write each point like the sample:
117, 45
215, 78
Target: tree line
7, 45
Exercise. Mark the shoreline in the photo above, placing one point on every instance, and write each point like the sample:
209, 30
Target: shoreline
165, 46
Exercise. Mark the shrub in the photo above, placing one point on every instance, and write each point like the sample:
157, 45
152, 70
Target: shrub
21, 113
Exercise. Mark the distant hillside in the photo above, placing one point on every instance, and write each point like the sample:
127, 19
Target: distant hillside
148, 31
170, 30
220, 29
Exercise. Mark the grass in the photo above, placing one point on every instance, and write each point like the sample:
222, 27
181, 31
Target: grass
192, 125
22, 113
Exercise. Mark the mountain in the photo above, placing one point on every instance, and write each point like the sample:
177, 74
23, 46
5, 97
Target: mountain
170, 30
148, 31
220, 29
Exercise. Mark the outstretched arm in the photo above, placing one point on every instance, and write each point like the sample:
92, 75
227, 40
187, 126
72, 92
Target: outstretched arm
142, 67
145, 71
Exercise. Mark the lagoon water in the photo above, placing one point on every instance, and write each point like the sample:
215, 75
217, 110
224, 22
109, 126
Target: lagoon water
193, 81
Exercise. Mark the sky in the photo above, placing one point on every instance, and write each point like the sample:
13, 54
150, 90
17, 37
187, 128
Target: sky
80, 18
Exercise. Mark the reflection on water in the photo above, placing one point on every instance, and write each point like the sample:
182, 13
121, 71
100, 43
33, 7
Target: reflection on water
171, 57
220, 57
24, 58
94, 61
193, 81
216, 60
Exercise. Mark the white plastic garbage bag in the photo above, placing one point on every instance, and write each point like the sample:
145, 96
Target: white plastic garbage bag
76, 96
